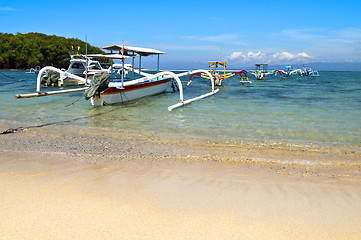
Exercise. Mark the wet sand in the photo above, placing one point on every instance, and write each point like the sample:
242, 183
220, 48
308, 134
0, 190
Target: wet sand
70, 184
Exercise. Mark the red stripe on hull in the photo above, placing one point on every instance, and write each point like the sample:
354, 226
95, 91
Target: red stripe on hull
114, 90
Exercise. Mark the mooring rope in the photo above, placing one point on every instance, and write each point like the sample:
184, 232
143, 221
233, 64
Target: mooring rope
70, 104
7, 75
20, 129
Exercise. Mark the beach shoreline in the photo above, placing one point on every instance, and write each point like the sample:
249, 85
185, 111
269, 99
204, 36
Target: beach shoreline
70, 184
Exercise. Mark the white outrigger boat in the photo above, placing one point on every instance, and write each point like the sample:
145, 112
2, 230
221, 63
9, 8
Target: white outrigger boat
289, 71
261, 71
308, 71
218, 78
102, 88
80, 65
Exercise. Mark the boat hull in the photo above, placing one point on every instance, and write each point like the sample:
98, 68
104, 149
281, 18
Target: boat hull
70, 82
114, 95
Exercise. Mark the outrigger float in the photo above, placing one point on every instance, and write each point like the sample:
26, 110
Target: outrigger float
104, 87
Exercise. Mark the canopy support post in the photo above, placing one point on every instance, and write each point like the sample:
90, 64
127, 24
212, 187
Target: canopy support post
158, 64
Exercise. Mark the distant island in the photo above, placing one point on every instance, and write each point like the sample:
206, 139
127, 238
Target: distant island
25, 51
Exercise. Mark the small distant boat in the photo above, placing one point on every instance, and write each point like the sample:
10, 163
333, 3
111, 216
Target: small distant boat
213, 69
289, 71
218, 78
261, 71
34, 70
307, 71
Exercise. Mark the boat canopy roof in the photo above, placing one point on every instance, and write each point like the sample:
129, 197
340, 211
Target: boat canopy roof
108, 56
131, 51
217, 63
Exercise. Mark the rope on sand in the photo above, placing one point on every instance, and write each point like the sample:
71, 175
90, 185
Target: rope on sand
20, 129
13, 130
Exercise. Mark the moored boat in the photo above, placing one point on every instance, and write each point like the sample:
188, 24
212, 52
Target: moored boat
106, 87
80, 65
122, 89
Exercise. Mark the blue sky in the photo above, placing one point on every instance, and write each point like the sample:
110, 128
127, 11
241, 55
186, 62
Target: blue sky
194, 32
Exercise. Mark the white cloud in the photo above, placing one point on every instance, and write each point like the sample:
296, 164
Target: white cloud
283, 56
233, 39
304, 34
6, 9
235, 55
326, 44
254, 55
331, 38
270, 58
303, 54
188, 48
215, 38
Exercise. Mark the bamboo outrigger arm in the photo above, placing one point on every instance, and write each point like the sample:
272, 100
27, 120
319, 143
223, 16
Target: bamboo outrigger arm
42, 94
181, 98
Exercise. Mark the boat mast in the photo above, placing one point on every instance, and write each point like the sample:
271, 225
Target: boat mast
122, 52
86, 59
140, 63
133, 66
158, 63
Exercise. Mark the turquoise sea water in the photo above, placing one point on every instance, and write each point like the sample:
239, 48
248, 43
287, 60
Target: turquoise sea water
323, 110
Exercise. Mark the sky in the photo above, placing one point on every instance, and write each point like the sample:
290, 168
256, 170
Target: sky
242, 33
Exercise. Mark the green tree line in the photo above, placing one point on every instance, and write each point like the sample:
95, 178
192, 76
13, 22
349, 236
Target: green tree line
24, 51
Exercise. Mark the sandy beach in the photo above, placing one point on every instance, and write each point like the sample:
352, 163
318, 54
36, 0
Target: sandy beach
65, 183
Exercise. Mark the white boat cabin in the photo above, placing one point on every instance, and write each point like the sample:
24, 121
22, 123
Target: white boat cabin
78, 65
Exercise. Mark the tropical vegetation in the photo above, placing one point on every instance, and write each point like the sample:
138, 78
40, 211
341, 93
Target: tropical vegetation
24, 51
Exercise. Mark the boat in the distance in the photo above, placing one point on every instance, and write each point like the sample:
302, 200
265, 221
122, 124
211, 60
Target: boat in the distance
35, 69
308, 71
261, 71
289, 71
221, 74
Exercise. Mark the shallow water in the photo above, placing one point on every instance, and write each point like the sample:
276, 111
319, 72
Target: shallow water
323, 110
